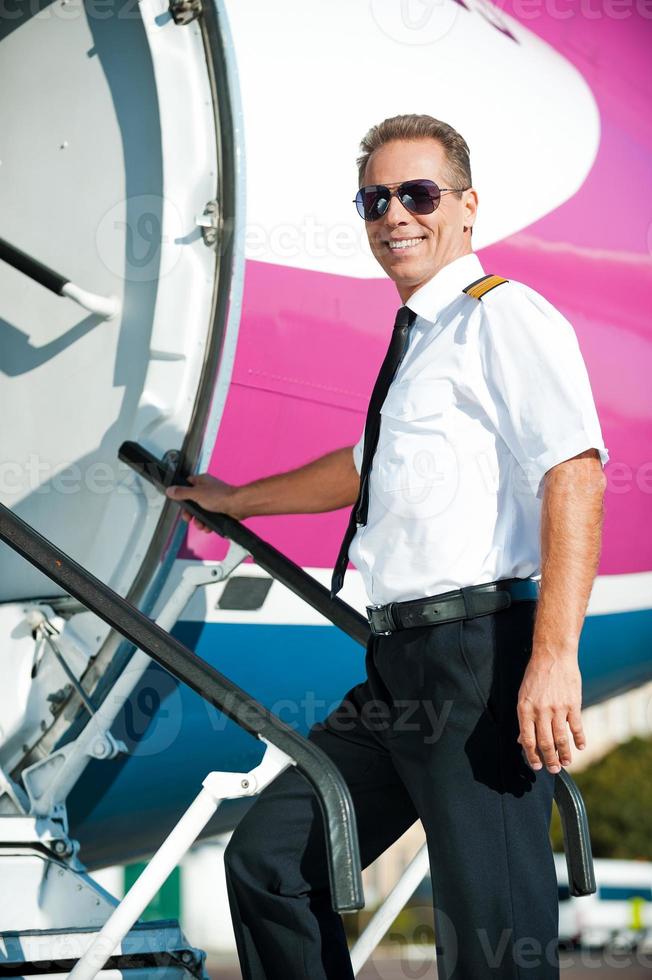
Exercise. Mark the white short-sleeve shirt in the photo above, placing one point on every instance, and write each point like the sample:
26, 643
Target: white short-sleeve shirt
489, 396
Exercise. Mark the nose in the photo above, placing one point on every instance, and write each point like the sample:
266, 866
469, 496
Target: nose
396, 214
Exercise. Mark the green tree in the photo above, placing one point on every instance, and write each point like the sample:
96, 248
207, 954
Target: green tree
617, 791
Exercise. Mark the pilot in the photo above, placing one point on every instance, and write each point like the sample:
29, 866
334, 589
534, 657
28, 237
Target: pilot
477, 490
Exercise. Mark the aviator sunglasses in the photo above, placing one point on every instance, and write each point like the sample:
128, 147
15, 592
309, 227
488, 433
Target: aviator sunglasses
418, 196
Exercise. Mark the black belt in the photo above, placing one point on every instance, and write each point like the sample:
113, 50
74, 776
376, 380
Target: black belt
464, 603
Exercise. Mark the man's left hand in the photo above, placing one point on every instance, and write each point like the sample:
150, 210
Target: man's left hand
549, 702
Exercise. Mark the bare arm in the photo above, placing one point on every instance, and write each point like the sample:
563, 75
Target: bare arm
571, 534
326, 483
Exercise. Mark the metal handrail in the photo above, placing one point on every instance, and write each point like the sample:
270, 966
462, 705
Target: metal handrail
577, 839
265, 555
572, 810
332, 791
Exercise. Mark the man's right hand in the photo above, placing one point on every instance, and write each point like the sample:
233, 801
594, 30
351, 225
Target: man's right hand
326, 483
210, 493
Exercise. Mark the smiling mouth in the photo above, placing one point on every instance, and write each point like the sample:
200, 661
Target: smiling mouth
404, 244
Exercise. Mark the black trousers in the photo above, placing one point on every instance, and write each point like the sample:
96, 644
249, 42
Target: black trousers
430, 734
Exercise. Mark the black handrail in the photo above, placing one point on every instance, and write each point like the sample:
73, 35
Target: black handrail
331, 789
577, 839
572, 810
265, 555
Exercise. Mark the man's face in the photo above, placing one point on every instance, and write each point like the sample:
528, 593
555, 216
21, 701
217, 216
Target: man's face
441, 236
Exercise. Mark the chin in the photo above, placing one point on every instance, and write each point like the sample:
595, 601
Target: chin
413, 274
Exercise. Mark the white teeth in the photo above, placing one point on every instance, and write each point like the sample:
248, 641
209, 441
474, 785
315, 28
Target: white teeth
405, 243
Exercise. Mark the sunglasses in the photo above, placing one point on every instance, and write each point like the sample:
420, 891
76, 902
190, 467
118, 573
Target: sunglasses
417, 196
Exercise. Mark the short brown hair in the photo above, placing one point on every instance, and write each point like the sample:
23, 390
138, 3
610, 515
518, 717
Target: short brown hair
414, 127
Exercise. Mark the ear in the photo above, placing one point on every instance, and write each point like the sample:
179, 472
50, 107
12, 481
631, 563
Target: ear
470, 206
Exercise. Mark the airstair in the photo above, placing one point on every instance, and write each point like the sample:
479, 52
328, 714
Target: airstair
77, 928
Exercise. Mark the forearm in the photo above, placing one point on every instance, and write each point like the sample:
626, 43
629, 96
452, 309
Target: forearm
324, 484
571, 534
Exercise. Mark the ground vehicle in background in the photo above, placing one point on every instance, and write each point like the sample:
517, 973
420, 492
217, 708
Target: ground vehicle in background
617, 915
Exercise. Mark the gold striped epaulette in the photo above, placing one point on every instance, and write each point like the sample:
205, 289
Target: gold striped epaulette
481, 286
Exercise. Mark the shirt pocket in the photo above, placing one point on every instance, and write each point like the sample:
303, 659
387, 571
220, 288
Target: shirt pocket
415, 452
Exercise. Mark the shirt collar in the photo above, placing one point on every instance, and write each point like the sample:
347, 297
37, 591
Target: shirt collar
430, 299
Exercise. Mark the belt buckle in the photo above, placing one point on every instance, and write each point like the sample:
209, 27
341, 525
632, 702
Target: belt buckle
387, 616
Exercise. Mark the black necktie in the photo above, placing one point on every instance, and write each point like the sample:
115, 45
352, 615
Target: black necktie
397, 345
